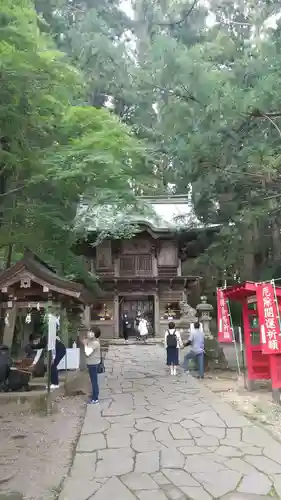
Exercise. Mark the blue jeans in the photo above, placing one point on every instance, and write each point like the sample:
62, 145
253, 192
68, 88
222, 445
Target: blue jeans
199, 358
93, 372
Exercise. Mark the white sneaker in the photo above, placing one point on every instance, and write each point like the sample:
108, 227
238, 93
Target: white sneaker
53, 386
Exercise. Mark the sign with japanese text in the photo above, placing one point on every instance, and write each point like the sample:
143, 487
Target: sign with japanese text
224, 326
268, 319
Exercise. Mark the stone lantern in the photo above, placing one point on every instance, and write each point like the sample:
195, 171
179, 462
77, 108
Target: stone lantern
204, 315
188, 316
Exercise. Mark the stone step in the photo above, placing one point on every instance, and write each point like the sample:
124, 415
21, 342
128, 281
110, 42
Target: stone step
133, 341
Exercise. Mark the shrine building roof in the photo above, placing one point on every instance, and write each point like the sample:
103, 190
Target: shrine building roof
244, 290
159, 214
31, 270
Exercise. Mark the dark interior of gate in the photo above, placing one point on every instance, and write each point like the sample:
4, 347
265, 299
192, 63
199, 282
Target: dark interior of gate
134, 305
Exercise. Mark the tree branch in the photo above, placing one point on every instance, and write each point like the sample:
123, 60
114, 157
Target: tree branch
175, 93
256, 113
20, 188
184, 17
274, 124
230, 21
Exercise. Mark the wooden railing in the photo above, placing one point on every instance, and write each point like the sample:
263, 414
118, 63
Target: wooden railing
135, 265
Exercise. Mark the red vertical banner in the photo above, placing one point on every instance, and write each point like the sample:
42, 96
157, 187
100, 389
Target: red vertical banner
275, 371
224, 327
268, 319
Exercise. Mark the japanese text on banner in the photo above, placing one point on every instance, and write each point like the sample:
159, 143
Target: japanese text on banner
224, 327
268, 319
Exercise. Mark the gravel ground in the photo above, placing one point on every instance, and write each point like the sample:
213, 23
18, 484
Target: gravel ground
36, 450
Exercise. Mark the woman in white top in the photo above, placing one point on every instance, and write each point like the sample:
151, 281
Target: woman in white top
143, 329
93, 355
173, 344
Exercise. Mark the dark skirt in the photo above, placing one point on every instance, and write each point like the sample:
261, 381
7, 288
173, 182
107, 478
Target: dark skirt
172, 356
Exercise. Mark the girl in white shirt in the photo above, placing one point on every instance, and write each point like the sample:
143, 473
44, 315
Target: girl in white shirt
143, 329
173, 343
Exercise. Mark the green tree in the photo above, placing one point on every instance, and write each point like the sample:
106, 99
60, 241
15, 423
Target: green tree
53, 152
205, 95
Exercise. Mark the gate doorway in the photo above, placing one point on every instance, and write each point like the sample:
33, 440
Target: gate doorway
131, 306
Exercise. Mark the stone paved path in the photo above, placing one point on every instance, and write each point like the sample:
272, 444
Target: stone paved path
156, 437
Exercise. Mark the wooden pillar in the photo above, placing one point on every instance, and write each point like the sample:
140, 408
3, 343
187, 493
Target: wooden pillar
154, 266
156, 315
179, 268
116, 316
9, 329
64, 325
87, 317
247, 343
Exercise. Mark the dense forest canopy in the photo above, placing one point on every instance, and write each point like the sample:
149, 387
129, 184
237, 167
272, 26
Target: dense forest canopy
143, 97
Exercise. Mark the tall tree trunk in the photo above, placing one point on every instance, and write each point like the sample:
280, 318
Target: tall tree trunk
9, 256
249, 254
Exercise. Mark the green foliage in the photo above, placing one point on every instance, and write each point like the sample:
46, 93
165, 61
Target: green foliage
202, 100
53, 151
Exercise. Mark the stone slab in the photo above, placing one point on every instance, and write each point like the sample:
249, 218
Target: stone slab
171, 459
256, 483
179, 477
245, 496
114, 489
90, 443
147, 462
263, 464
114, 462
72, 489
196, 493
139, 481
152, 495
220, 483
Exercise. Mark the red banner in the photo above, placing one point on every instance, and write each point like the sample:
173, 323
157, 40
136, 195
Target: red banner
268, 319
224, 327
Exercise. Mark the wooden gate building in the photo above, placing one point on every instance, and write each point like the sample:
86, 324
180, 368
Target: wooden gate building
144, 273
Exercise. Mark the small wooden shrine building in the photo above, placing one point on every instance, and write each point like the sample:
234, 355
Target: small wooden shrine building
30, 286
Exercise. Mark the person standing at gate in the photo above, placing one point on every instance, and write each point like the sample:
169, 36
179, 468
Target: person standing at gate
173, 344
196, 353
125, 327
137, 324
143, 329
